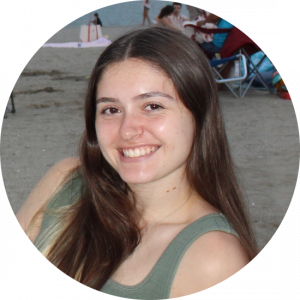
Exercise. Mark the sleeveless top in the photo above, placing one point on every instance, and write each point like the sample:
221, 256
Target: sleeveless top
157, 284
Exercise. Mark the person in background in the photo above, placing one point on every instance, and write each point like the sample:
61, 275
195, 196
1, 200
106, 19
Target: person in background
177, 18
215, 46
219, 38
146, 8
163, 19
97, 20
194, 12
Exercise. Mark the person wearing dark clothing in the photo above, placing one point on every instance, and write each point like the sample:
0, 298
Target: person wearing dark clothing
97, 20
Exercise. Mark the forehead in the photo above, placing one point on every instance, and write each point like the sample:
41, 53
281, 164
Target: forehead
133, 74
130, 78
132, 65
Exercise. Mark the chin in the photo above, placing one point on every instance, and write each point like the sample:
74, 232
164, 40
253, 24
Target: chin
137, 179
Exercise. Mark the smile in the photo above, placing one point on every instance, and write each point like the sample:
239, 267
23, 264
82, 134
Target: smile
136, 152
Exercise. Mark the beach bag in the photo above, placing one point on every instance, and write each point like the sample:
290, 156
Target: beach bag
90, 33
280, 86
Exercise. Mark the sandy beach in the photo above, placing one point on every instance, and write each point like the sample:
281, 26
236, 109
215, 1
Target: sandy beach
49, 95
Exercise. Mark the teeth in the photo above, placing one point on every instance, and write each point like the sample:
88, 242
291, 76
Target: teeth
130, 153
138, 152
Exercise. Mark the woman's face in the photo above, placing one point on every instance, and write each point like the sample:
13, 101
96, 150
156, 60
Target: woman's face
143, 129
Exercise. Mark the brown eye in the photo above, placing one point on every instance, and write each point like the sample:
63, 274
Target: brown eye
153, 106
110, 111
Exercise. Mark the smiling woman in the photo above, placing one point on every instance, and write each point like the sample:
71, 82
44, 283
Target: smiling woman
151, 208
147, 122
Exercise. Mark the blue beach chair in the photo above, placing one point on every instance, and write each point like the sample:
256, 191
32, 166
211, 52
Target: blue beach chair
218, 66
238, 43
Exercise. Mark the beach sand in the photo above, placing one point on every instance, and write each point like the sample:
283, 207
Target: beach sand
49, 95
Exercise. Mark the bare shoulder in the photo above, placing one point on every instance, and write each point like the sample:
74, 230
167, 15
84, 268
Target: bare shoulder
45, 189
211, 259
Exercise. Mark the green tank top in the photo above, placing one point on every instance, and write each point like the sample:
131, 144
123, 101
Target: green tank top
157, 284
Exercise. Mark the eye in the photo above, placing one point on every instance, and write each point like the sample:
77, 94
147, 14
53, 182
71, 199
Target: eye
153, 106
110, 111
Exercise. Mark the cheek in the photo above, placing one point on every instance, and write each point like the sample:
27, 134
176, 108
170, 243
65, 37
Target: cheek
104, 135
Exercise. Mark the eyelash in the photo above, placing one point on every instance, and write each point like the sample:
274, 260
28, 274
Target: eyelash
159, 107
104, 110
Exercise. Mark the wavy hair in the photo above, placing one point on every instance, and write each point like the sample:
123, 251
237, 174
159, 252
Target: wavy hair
99, 231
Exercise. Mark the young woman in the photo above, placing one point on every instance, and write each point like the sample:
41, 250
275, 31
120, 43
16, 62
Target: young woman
151, 208
163, 18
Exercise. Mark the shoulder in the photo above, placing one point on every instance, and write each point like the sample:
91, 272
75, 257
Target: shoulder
166, 20
49, 184
212, 258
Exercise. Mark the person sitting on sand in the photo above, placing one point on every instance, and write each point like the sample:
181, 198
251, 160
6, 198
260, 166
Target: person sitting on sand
97, 20
151, 208
163, 18
219, 38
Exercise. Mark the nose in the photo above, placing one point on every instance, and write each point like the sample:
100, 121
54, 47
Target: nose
131, 127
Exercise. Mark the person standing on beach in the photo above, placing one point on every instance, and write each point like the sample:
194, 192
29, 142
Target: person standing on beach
146, 8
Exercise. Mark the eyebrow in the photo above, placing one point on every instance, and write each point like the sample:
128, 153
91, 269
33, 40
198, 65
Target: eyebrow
139, 97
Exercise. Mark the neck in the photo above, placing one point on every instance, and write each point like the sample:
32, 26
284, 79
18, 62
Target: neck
158, 199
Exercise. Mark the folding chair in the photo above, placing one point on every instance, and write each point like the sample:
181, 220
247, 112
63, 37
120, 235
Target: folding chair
219, 64
237, 43
13, 108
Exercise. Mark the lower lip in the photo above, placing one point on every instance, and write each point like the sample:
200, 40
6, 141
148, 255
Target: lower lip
136, 159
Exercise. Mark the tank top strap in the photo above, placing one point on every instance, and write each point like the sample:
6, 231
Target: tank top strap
171, 258
158, 283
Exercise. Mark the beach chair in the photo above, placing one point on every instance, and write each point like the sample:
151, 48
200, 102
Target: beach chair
218, 66
238, 43
13, 108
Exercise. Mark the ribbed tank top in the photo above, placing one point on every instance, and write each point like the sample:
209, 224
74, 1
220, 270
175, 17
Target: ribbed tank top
157, 284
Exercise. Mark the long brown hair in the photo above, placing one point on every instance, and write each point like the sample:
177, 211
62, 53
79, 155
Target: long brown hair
166, 11
99, 231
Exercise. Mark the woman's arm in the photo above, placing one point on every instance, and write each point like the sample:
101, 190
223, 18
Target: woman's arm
42, 193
